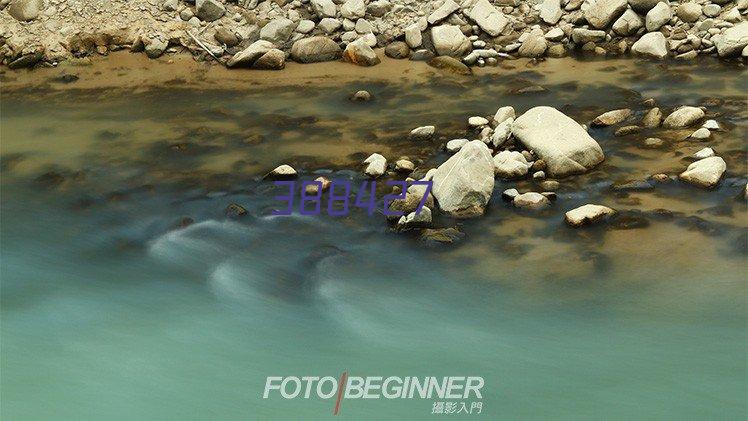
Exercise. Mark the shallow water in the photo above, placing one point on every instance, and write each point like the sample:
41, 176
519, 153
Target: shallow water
111, 311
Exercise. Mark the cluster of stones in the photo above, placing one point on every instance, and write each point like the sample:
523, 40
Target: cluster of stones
263, 34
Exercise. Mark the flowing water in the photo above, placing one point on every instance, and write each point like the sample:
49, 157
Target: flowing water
115, 306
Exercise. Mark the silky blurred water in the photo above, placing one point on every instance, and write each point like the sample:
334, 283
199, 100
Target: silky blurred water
110, 310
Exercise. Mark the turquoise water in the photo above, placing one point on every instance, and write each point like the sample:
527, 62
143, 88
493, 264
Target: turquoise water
111, 311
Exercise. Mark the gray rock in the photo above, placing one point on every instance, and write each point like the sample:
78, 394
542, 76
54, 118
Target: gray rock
705, 172
643, 6
510, 164
683, 117
415, 220
587, 215
502, 132
274, 59
226, 37
455, 145
463, 184
413, 36
534, 45
704, 153
353, 9
701, 134
422, 133
329, 25
488, 18
443, 11
359, 53
652, 44
531, 200
277, 30
315, 49
324, 8
602, 13
450, 41
25, 10
658, 16
249, 55
155, 47
503, 114
652, 118
397, 50
558, 140
281, 172
550, 11
583, 36
732, 41
209, 10
628, 24
376, 165
688, 12
305, 26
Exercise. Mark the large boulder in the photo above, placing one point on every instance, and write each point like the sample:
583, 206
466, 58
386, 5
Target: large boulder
209, 10
683, 117
450, 41
315, 49
25, 10
705, 172
488, 18
732, 41
249, 55
278, 30
359, 53
652, 44
658, 16
558, 140
464, 183
602, 13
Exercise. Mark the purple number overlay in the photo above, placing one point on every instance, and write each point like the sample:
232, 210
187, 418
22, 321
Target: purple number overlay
338, 200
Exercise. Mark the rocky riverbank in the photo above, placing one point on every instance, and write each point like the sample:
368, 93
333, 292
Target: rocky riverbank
264, 35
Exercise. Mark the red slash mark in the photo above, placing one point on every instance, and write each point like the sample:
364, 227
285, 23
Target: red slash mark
341, 387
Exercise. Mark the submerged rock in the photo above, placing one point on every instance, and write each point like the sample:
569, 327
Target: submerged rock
587, 214
612, 117
558, 140
705, 172
282, 172
442, 235
464, 183
450, 64
422, 133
